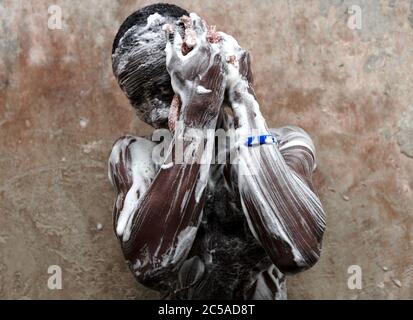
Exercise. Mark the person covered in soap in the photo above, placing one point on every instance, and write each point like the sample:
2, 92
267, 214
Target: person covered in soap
207, 230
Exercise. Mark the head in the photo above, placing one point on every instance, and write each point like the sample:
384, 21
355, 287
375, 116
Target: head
139, 61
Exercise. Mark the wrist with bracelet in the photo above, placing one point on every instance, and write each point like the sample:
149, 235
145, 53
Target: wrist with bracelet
259, 140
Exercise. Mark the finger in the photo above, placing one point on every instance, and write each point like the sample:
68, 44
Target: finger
174, 112
249, 74
178, 43
198, 26
171, 56
244, 64
173, 50
169, 31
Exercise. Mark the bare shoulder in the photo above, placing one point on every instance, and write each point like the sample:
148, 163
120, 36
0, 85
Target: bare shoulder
293, 137
132, 155
295, 144
131, 172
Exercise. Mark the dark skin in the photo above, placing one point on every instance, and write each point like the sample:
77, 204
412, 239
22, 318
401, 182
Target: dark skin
264, 160
170, 205
167, 216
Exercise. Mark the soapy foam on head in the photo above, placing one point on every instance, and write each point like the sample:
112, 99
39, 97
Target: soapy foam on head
138, 61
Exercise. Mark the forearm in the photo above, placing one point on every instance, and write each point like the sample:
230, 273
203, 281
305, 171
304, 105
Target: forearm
167, 218
283, 212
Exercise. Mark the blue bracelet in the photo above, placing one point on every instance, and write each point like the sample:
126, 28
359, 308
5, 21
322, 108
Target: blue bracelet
260, 140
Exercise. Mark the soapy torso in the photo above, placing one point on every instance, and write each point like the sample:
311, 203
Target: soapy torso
225, 259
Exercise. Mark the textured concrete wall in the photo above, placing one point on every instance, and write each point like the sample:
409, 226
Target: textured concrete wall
61, 109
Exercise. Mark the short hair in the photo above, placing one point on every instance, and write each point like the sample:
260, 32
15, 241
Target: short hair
139, 61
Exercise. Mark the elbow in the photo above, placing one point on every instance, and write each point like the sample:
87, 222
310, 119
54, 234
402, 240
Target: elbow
152, 276
156, 278
309, 258
302, 252
155, 264
293, 259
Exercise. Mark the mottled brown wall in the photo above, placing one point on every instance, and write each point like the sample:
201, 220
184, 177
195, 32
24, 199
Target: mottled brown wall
61, 109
